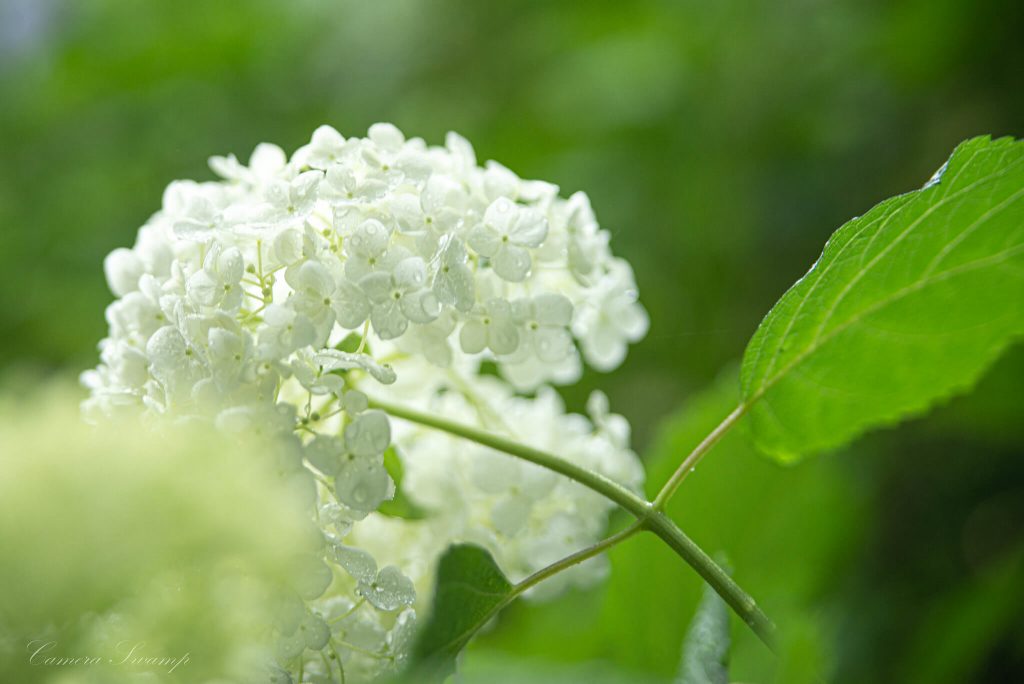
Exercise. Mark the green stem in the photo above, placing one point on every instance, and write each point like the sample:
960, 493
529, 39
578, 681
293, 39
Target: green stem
691, 461
571, 560
599, 483
734, 595
644, 511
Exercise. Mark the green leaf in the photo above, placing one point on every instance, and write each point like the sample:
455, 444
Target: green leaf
350, 343
400, 506
907, 305
706, 646
470, 590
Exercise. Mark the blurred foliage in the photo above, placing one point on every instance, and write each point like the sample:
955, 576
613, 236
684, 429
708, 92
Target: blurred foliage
469, 589
721, 143
121, 545
705, 658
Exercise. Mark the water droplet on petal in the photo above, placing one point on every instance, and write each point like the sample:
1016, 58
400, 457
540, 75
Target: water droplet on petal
390, 590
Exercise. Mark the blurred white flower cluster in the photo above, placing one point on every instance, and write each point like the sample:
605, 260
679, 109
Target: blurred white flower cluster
278, 301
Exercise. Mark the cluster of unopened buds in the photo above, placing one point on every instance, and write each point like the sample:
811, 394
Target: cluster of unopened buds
289, 297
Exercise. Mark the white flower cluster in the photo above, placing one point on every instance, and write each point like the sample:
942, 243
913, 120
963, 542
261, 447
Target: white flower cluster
277, 300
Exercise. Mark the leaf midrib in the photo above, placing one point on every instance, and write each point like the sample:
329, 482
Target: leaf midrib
879, 305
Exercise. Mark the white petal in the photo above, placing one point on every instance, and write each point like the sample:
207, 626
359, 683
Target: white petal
499, 181
123, 270
324, 453
369, 240
325, 147
356, 562
453, 253
502, 215
350, 305
460, 149
410, 274
303, 190
493, 472
604, 348
387, 136
327, 136
267, 159
334, 359
203, 289
311, 278
315, 631
510, 514
390, 590
530, 228
303, 332
552, 344
166, 348
311, 577
288, 647
224, 344
421, 307
378, 287
442, 192
278, 315
355, 401
553, 309
473, 337
512, 263
388, 321
361, 486
454, 285
485, 240
369, 434
287, 246
503, 337
633, 321
499, 308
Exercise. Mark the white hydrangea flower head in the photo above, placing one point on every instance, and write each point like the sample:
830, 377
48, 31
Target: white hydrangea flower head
276, 300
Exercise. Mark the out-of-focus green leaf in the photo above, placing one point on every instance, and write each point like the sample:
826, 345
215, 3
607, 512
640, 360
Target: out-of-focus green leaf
350, 343
907, 304
956, 631
991, 414
470, 590
400, 506
706, 647
495, 668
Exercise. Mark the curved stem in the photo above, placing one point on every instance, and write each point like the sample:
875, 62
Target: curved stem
575, 559
544, 573
691, 461
633, 503
644, 511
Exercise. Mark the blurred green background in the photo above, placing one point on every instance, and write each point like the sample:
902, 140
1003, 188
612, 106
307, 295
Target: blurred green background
721, 143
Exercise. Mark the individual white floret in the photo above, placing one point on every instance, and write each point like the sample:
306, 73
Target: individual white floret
611, 318
505, 235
